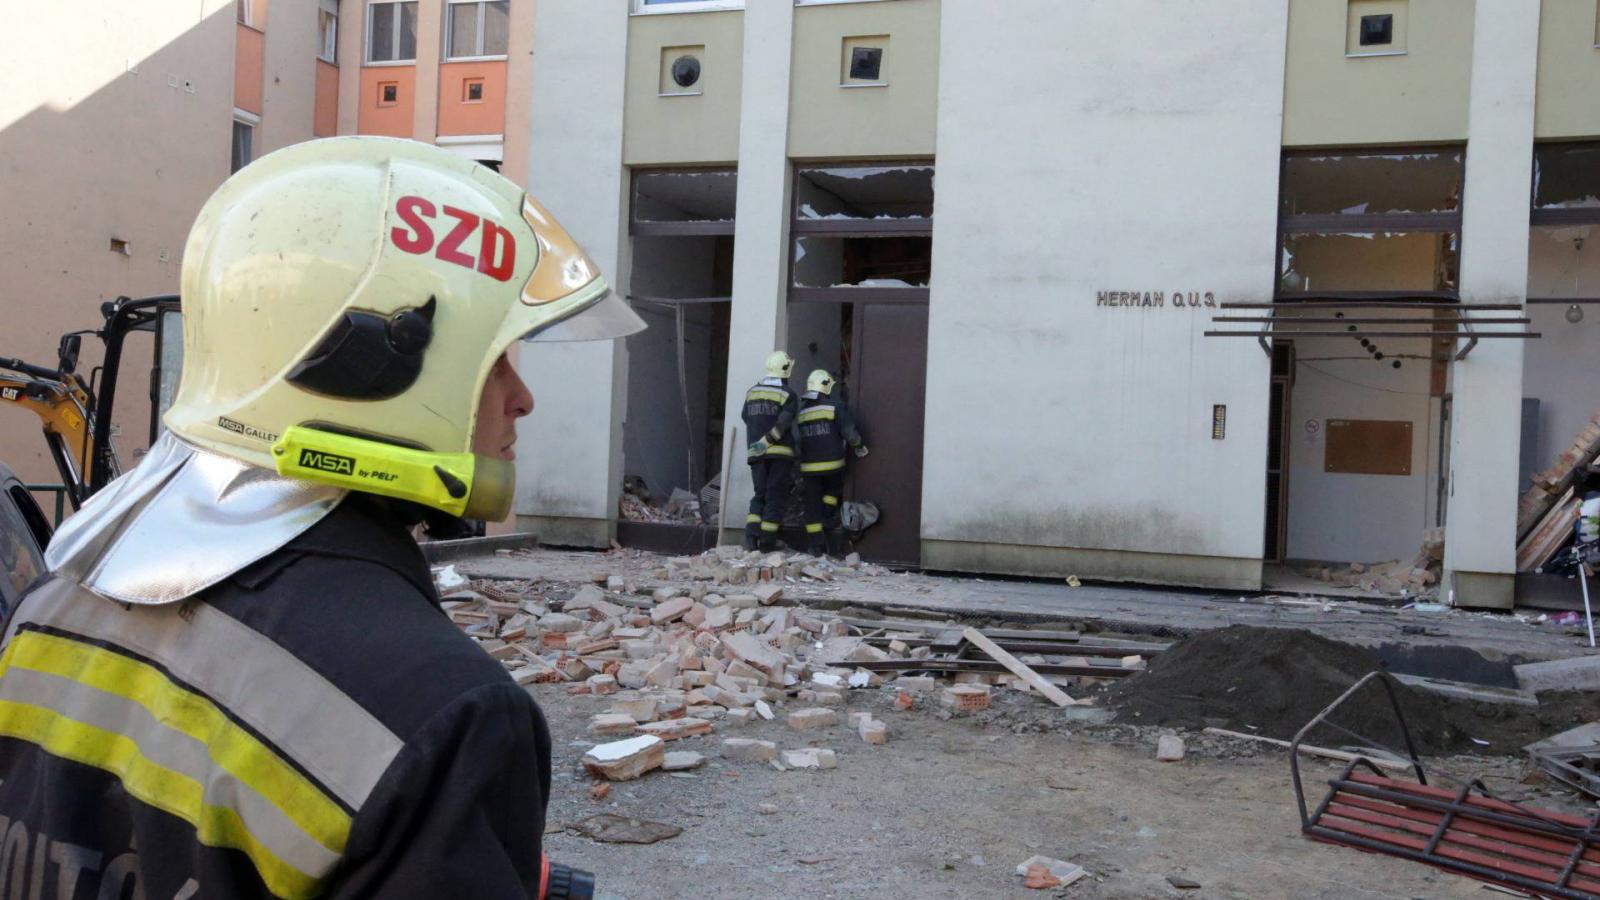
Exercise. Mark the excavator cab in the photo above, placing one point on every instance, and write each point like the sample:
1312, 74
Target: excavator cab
76, 413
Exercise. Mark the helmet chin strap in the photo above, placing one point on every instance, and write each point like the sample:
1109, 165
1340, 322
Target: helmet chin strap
463, 484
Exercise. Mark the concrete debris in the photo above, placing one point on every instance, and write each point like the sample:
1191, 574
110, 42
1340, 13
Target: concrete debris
813, 718
1399, 577
1040, 872
707, 643
625, 760
615, 829
1169, 748
682, 761
749, 750
873, 731
810, 758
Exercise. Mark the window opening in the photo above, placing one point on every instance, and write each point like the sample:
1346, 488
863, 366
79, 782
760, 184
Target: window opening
392, 32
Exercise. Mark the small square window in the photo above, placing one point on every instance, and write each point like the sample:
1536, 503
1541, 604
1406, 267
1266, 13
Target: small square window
1377, 31
865, 63
388, 93
472, 90
1375, 28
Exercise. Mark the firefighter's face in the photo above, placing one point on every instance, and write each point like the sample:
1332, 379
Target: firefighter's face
505, 400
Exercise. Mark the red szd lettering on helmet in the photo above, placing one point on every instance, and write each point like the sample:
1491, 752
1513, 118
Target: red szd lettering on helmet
497, 247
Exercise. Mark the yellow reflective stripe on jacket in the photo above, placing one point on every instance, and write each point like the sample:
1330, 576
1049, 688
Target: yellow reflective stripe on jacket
830, 500
774, 450
813, 528
815, 413
832, 465
775, 396
176, 750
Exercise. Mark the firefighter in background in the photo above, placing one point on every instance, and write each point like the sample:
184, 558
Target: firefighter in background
827, 431
769, 411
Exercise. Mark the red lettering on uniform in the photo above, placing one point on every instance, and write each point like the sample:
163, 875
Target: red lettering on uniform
449, 248
491, 261
412, 211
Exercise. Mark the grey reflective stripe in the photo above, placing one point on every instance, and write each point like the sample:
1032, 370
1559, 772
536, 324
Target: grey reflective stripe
173, 750
263, 685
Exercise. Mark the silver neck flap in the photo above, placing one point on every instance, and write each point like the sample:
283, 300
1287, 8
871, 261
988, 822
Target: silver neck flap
181, 521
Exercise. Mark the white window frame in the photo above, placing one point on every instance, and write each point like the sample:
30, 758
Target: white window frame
325, 53
246, 7
641, 8
366, 35
449, 25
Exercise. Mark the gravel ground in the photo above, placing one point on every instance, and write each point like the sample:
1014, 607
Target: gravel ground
949, 807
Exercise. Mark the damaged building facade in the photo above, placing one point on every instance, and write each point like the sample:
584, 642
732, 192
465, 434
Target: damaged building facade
1119, 289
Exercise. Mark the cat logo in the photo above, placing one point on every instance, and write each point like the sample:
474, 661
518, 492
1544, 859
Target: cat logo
328, 462
10, 393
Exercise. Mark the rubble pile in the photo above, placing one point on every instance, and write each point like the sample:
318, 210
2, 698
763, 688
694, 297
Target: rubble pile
712, 649
1419, 575
682, 508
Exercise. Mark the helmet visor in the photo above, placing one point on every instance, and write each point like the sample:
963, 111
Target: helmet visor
605, 317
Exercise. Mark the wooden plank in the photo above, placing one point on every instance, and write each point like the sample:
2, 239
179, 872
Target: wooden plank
951, 664
1531, 550
1382, 762
1552, 536
1017, 667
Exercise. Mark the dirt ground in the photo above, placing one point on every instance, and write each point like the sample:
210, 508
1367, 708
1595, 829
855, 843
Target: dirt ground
950, 806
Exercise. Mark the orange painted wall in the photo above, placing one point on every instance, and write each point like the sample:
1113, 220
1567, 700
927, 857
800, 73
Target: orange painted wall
457, 116
248, 53
325, 115
394, 121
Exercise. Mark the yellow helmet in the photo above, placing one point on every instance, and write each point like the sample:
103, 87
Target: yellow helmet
819, 381
344, 301
779, 364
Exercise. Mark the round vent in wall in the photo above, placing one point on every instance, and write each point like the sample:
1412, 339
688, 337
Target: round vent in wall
686, 71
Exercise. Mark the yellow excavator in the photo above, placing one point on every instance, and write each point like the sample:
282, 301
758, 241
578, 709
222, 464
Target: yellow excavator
76, 412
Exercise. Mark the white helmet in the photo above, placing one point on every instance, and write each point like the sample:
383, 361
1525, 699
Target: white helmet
819, 381
344, 301
779, 364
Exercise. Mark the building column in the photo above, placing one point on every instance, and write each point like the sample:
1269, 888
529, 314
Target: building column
1480, 523
761, 235
430, 48
352, 47
569, 452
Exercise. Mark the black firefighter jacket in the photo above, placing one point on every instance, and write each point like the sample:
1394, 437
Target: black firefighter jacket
313, 726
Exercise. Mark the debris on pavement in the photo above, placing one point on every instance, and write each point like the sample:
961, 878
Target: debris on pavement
1042, 872
613, 829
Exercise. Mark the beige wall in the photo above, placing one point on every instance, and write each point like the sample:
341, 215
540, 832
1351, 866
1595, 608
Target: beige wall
289, 85
829, 121
95, 152
1417, 97
685, 129
519, 92
1569, 71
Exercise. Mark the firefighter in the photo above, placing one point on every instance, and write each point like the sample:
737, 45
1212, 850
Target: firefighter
238, 681
827, 431
769, 411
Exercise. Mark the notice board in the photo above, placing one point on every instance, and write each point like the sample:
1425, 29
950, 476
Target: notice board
1367, 447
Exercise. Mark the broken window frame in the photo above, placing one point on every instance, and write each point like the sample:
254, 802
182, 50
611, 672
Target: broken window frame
1557, 216
801, 226
638, 227
1293, 224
